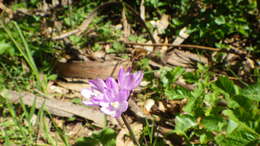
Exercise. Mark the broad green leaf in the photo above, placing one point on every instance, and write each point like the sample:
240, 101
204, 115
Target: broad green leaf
204, 139
212, 123
190, 106
232, 125
220, 20
183, 123
227, 85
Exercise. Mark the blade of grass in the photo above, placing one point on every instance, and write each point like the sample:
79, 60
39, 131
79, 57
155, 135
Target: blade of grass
44, 126
60, 132
15, 119
26, 53
6, 138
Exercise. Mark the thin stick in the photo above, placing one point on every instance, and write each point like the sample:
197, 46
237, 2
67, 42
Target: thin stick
120, 123
130, 130
172, 45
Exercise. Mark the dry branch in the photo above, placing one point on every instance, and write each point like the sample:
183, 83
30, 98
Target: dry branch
55, 107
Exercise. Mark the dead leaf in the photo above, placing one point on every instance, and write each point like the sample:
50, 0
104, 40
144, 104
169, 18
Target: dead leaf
123, 138
184, 58
142, 10
127, 27
163, 23
161, 107
183, 35
74, 86
148, 104
57, 89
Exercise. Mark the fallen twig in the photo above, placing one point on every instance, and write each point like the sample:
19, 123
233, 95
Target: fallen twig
93, 14
172, 45
86, 22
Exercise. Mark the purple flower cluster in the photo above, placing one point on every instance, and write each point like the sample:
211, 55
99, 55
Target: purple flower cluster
112, 95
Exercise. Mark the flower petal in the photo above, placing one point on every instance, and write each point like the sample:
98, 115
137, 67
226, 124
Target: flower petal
114, 111
92, 97
86, 93
111, 83
123, 95
98, 84
129, 81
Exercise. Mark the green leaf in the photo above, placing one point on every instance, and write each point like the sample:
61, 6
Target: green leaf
4, 47
238, 133
191, 77
52, 77
183, 123
204, 139
236, 122
232, 125
239, 137
212, 123
220, 20
116, 47
252, 92
227, 85
76, 100
176, 93
105, 137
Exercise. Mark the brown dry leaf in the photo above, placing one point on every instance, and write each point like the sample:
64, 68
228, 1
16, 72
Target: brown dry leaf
58, 122
183, 35
175, 106
57, 89
126, 26
6, 9
74, 131
142, 10
73, 86
163, 23
161, 107
149, 48
160, 26
184, 58
99, 54
148, 104
164, 49
123, 138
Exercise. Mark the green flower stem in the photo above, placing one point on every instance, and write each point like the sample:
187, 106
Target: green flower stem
130, 130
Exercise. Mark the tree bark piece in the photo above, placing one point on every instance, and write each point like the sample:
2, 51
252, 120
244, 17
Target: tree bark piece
56, 107
90, 69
